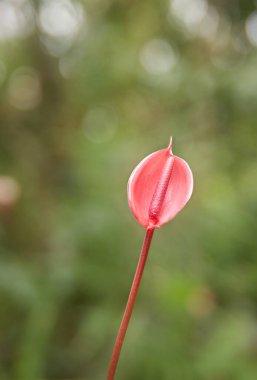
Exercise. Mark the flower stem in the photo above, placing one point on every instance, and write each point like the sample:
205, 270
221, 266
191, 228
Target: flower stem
130, 304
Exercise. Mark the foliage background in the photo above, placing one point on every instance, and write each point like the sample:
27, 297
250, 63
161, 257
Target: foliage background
89, 88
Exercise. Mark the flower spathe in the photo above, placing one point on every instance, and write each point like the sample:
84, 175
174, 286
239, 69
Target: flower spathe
159, 187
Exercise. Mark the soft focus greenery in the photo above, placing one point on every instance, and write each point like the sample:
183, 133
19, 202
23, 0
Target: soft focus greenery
87, 90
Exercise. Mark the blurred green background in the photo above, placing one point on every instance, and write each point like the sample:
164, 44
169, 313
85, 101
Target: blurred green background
88, 89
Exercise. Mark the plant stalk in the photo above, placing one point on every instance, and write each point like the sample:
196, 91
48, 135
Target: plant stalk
130, 304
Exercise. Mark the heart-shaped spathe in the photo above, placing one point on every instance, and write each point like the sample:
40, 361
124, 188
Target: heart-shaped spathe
159, 187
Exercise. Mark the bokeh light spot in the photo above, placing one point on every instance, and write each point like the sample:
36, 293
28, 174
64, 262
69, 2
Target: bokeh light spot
251, 28
60, 18
100, 124
9, 191
158, 57
196, 16
16, 19
60, 22
24, 89
191, 12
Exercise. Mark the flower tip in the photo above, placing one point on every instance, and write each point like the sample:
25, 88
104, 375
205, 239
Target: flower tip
170, 145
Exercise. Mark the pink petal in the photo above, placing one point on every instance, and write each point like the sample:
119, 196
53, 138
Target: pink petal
159, 187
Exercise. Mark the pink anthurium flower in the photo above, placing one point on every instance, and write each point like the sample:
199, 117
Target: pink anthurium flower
158, 188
